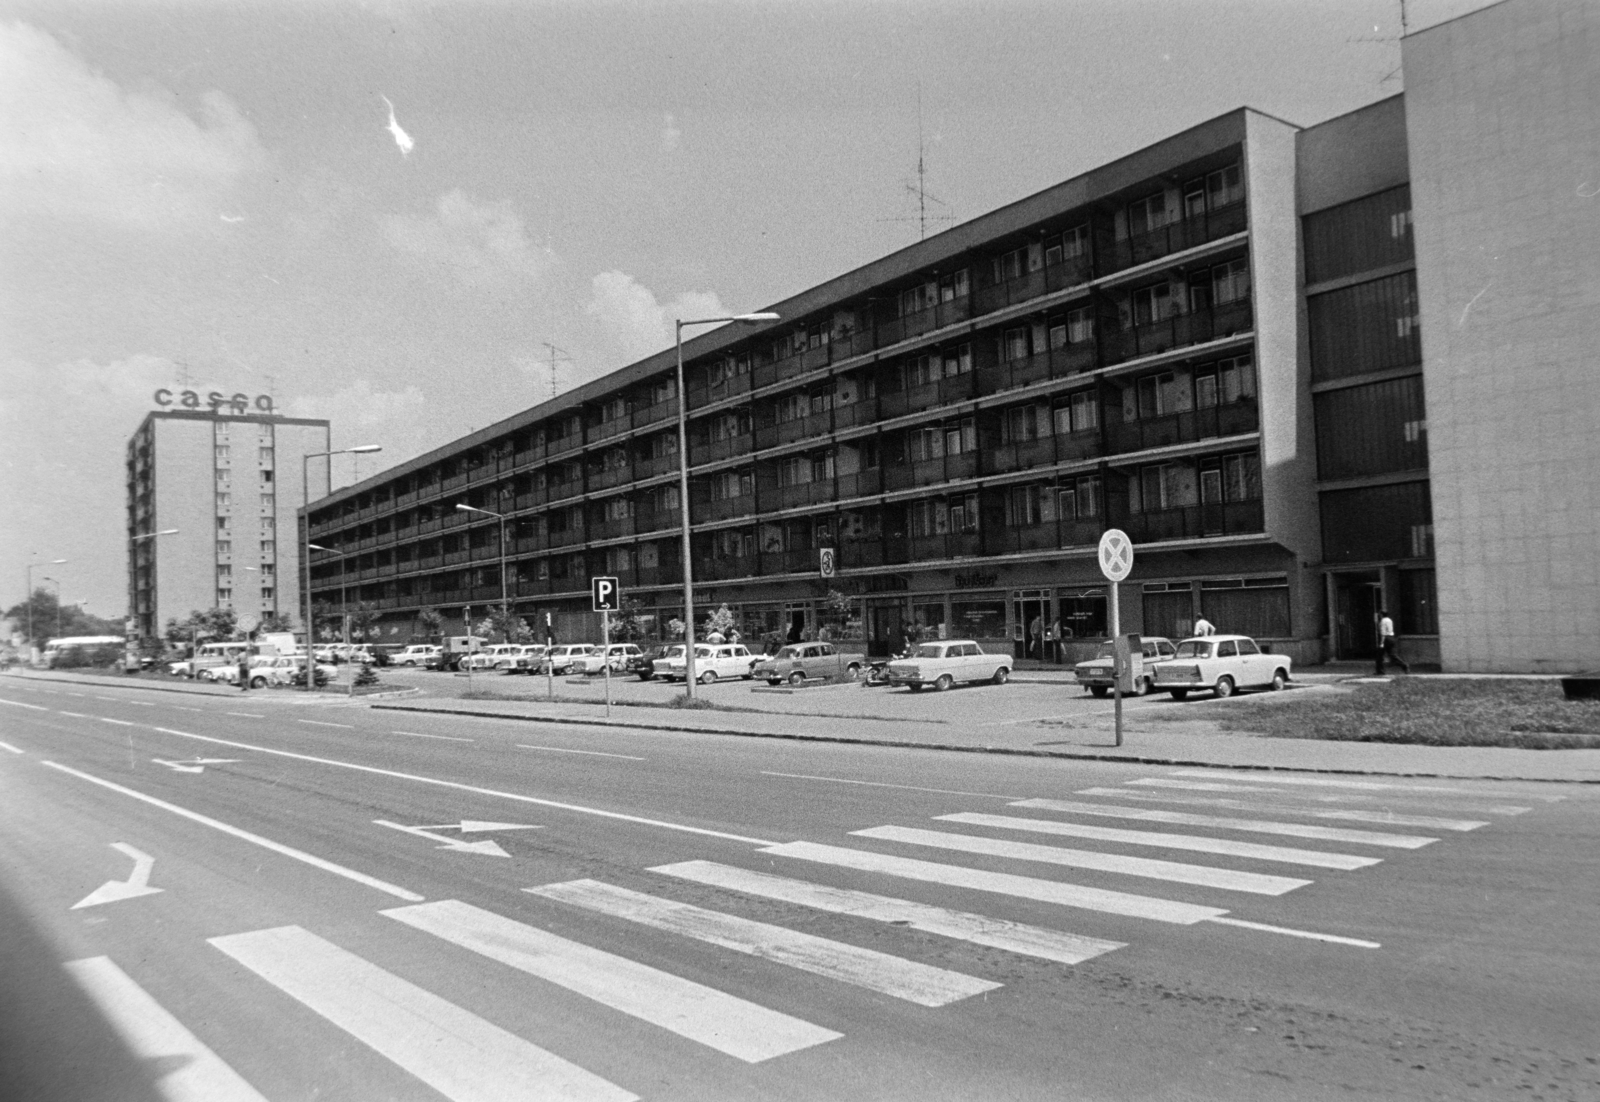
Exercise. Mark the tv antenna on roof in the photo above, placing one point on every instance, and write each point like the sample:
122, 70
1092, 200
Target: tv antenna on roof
919, 190
1388, 39
564, 357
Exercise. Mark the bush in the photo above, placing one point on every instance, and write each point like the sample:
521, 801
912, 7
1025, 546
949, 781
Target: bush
366, 675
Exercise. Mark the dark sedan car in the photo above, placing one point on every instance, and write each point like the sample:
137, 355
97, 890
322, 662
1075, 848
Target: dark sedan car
642, 665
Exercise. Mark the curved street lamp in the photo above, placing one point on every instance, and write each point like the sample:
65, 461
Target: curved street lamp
305, 503
505, 609
28, 575
683, 490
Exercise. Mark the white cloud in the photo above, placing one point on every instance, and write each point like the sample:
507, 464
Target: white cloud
670, 134
477, 243
634, 324
73, 144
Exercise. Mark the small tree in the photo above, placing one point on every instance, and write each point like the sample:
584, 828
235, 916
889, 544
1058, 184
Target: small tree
276, 622
674, 628
363, 620
722, 621
630, 623
506, 624
431, 621
328, 621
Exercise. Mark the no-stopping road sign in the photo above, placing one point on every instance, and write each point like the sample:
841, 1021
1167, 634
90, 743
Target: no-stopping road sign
1116, 555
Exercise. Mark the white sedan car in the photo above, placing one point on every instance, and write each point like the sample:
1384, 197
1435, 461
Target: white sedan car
1222, 664
943, 663
1095, 674
712, 661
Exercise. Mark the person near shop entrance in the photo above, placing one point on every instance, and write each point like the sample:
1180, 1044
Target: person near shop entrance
1036, 637
1386, 642
1202, 626
1052, 639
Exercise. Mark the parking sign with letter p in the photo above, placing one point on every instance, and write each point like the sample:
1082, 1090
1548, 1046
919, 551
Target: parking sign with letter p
605, 594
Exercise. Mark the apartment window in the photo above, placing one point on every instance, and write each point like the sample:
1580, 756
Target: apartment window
266, 478
1224, 382
1149, 213
732, 545
1027, 506
1012, 265
665, 499
223, 524
1077, 413
224, 570
821, 401
619, 508
793, 471
1014, 344
615, 459
929, 518
614, 410
1213, 191
925, 444
1079, 498
1165, 486
266, 593
921, 371
1072, 243
957, 360
953, 286
1153, 304
914, 300
224, 547
264, 455
730, 425
267, 570
1023, 423
1230, 282
1231, 478
662, 390
224, 596
964, 513
1162, 394
222, 451
791, 407
961, 437
663, 444
268, 547
732, 484
268, 501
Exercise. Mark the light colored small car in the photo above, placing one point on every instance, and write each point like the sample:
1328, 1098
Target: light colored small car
1222, 664
618, 655
529, 659
799, 662
272, 671
560, 659
1095, 674
945, 662
414, 655
712, 661
501, 656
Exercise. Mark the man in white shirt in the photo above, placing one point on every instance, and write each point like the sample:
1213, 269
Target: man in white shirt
1386, 643
1202, 626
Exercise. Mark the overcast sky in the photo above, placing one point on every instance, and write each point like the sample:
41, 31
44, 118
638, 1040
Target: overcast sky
212, 191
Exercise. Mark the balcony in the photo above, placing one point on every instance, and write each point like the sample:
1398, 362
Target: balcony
656, 412
665, 574
456, 558
531, 497
859, 553
454, 482
655, 467
530, 587
427, 562
1177, 331
1177, 236
790, 497
405, 499
710, 451
531, 454
788, 562
704, 512
1022, 455
800, 428
1195, 521
860, 483
603, 478
489, 552
568, 537
950, 545
613, 529
717, 569
1054, 363
656, 520
607, 430
571, 487
528, 545
1183, 428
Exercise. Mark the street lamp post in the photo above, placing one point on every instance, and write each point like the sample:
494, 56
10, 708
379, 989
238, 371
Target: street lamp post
127, 654
683, 491
28, 574
505, 609
305, 503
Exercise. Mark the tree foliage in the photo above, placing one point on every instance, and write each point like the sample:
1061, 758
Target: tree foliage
722, 621
73, 620
202, 626
363, 620
276, 622
630, 623
431, 621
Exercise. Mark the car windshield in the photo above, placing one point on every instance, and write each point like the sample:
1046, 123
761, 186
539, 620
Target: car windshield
1194, 648
1107, 650
788, 652
930, 650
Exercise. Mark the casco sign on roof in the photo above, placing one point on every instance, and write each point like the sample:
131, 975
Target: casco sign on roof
214, 400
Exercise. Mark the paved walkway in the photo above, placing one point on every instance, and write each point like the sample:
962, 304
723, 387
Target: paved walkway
1086, 735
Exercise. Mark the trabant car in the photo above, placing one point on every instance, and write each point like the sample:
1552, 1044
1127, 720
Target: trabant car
711, 662
268, 671
945, 662
1095, 674
561, 659
1222, 664
498, 657
619, 655
643, 665
414, 655
798, 663
529, 658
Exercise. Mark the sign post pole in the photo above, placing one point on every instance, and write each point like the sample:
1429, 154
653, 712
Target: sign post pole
605, 653
1116, 563
605, 597
549, 661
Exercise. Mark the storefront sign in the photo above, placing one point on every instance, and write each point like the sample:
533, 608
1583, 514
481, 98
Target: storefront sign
975, 580
215, 401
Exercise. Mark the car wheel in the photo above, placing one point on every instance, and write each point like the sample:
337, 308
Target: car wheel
1280, 681
1224, 687
1142, 687
944, 682
1099, 690
708, 677
1179, 694
1001, 676
258, 683
852, 672
915, 688
647, 677
797, 678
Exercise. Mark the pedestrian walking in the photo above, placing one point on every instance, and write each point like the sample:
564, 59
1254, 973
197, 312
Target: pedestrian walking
1052, 636
1386, 643
1036, 636
244, 670
1202, 626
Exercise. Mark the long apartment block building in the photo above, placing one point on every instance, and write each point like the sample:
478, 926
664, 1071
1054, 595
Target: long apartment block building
958, 422
1268, 353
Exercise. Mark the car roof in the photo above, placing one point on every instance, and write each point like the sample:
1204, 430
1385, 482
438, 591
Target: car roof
1215, 638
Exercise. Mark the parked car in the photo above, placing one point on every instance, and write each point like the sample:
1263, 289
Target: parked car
559, 659
455, 649
529, 658
498, 657
945, 662
1095, 674
1222, 664
415, 655
711, 662
283, 670
801, 662
643, 664
618, 655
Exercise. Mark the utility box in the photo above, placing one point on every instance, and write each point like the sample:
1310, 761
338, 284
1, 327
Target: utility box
1130, 661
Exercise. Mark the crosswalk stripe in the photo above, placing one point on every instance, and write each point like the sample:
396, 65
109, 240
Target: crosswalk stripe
1345, 815
1204, 876
1000, 883
1220, 822
1333, 782
1226, 846
457, 1053
910, 980
197, 1074
1014, 937
703, 1014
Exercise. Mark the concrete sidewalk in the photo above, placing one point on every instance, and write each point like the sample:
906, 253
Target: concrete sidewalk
1154, 743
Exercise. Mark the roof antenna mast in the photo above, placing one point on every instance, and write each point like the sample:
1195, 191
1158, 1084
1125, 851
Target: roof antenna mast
919, 190
555, 354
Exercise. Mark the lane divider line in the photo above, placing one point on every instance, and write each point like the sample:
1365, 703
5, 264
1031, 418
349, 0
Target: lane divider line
20, 704
591, 753
458, 786
245, 835
320, 723
74, 715
8, 746
244, 715
443, 738
1334, 938
118, 722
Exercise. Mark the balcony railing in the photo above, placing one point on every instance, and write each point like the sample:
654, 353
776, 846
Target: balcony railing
1177, 331
1195, 521
709, 451
658, 411
950, 545
892, 330
654, 467
787, 562
603, 478
1176, 236
1054, 363
722, 509
860, 483
613, 529
1184, 427
804, 493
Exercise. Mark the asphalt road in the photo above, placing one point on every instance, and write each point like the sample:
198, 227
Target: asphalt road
343, 911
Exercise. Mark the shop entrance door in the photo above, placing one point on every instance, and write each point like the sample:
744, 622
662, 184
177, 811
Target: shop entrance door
1030, 621
1357, 598
884, 627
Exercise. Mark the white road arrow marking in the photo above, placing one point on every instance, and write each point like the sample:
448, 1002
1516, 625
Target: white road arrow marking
194, 765
469, 826
488, 847
114, 891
